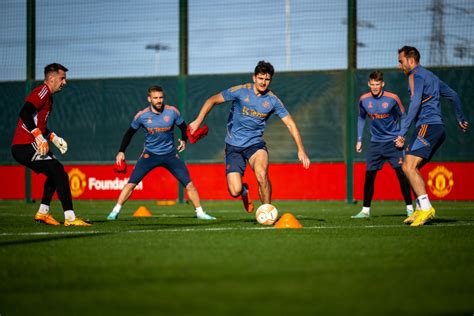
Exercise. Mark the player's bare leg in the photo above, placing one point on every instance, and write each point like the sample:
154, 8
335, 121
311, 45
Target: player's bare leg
237, 188
234, 184
193, 196
411, 169
259, 164
126, 192
123, 197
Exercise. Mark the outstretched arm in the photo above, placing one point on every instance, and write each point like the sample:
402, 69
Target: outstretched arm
127, 137
451, 95
206, 108
293, 129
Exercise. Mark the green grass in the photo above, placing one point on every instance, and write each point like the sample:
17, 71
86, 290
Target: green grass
174, 264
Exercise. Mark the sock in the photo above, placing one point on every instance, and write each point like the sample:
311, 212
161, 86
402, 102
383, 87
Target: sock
43, 209
410, 208
245, 192
418, 207
199, 210
117, 208
425, 204
366, 210
69, 215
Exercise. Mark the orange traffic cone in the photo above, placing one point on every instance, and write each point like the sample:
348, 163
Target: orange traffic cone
166, 202
287, 220
142, 211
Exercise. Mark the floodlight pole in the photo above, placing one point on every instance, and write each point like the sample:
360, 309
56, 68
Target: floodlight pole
183, 70
30, 71
351, 68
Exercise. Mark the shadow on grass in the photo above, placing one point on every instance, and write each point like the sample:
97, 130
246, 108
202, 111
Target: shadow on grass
442, 220
52, 238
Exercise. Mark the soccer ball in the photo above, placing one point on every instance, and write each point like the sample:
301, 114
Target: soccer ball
266, 214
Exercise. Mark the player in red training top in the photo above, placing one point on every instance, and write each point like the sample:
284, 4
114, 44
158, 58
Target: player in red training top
30, 146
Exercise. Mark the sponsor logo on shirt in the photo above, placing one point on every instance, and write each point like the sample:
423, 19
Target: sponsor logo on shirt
378, 116
152, 130
249, 112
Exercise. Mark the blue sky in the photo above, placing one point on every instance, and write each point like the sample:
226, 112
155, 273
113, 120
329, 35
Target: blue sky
105, 39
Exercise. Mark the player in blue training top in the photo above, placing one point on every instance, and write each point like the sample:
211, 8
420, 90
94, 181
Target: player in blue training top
252, 105
384, 110
157, 121
425, 90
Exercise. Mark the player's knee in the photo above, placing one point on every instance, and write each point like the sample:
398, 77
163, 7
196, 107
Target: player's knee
190, 187
261, 176
234, 191
130, 186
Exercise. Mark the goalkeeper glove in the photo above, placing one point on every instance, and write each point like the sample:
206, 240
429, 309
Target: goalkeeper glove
41, 142
58, 142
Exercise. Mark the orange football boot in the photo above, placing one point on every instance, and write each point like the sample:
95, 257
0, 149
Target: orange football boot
248, 203
48, 219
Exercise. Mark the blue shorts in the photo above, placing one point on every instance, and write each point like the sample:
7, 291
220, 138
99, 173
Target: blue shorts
426, 140
149, 161
378, 153
236, 157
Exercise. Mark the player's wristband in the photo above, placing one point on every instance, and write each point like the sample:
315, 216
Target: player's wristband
36, 132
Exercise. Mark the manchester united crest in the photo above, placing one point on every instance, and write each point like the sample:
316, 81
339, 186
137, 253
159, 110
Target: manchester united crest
440, 181
77, 182
167, 119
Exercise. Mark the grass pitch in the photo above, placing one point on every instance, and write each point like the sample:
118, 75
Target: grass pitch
174, 264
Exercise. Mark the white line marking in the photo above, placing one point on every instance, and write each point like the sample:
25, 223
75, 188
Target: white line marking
213, 229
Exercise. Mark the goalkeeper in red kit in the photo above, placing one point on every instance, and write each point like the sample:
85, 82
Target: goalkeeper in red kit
30, 146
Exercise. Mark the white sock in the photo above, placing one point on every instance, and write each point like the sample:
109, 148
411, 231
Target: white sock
117, 208
424, 201
43, 209
69, 215
418, 207
409, 208
199, 210
365, 210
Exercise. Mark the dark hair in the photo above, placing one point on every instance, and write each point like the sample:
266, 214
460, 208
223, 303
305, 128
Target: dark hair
264, 67
54, 67
376, 75
410, 52
154, 89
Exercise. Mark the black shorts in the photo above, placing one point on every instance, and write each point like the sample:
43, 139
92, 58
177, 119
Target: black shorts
27, 156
